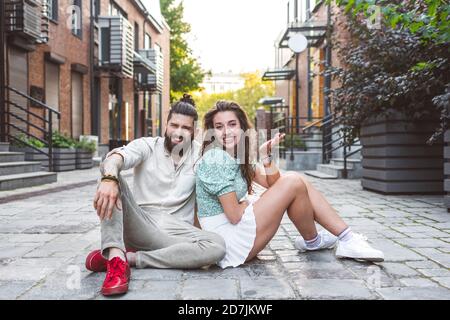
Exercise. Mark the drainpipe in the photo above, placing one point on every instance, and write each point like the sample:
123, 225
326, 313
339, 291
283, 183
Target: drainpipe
2, 73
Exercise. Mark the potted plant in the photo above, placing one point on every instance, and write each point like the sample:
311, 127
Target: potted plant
84, 152
64, 152
28, 146
389, 81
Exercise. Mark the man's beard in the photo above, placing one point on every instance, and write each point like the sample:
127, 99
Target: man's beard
169, 146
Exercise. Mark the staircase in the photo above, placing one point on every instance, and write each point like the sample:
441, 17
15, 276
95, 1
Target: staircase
339, 160
335, 169
16, 173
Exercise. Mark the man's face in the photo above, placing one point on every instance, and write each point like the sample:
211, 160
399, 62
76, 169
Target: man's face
179, 130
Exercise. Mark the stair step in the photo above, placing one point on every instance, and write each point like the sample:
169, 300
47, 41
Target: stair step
30, 179
331, 169
4, 146
348, 159
7, 168
11, 156
318, 174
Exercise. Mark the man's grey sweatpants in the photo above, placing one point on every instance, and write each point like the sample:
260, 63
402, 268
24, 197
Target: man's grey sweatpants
160, 239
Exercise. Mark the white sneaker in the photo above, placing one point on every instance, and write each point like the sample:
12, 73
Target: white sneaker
358, 248
328, 241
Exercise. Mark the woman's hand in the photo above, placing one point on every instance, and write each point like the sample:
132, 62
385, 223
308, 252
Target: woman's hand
266, 148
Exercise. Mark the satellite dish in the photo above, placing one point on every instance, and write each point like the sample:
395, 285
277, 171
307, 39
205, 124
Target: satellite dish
297, 42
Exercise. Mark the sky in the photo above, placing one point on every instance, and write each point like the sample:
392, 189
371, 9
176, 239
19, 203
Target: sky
234, 35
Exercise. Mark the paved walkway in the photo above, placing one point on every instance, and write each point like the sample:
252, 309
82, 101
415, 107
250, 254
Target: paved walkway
44, 240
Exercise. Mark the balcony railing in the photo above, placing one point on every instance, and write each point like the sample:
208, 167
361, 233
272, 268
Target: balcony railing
116, 40
149, 71
26, 18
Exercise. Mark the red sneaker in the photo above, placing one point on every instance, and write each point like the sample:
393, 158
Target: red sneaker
117, 277
95, 261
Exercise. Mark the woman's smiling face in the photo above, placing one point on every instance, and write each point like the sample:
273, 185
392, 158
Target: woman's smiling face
227, 129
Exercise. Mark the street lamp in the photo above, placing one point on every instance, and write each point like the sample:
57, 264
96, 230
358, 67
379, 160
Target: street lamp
297, 43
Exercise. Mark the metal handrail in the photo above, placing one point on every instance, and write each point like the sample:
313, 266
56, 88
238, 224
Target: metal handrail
317, 122
47, 119
43, 105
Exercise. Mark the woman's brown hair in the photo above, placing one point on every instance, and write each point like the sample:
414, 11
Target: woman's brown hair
247, 170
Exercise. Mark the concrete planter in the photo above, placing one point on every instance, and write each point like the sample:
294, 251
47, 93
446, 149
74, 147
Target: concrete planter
303, 160
64, 159
447, 169
396, 158
84, 159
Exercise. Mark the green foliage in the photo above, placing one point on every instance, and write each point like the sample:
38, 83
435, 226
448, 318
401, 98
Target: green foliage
390, 68
294, 141
186, 73
85, 144
427, 19
61, 140
24, 142
247, 97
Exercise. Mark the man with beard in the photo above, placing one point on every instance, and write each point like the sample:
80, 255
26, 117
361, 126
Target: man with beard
152, 228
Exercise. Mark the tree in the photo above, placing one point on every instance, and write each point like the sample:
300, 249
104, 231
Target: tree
186, 73
247, 97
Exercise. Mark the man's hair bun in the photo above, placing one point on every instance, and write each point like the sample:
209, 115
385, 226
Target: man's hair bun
187, 98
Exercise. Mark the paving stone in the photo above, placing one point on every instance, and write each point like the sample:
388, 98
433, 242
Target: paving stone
333, 289
437, 272
436, 255
156, 274
213, 289
399, 269
418, 282
443, 281
414, 293
394, 252
266, 288
10, 290
422, 264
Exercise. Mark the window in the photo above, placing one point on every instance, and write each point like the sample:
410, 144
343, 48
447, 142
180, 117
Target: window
76, 14
147, 41
136, 36
115, 10
52, 9
96, 8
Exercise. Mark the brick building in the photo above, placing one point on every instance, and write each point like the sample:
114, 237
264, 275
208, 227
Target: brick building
312, 18
102, 64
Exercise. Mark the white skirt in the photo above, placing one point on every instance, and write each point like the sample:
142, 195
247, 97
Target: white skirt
239, 238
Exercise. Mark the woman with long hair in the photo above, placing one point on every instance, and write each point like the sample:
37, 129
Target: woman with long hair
224, 176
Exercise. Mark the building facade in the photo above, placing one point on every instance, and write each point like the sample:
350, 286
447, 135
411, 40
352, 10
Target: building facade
103, 65
222, 82
305, 95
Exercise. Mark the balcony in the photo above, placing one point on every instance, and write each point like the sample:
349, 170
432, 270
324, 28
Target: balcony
25, 18
314, 31
149, 71
115, 39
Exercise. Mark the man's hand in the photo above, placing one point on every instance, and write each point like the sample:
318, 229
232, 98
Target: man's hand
106, 197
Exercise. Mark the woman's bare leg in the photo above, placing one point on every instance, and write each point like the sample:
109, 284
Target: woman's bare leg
324, 213
289, 192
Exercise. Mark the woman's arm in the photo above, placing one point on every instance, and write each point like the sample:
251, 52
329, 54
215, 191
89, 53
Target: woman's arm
233, 209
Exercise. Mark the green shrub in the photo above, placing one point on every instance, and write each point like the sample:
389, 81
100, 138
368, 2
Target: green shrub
61, 140
86, 145
23, 142
294, 141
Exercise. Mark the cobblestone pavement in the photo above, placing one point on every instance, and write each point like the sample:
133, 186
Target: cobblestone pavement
44, 240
